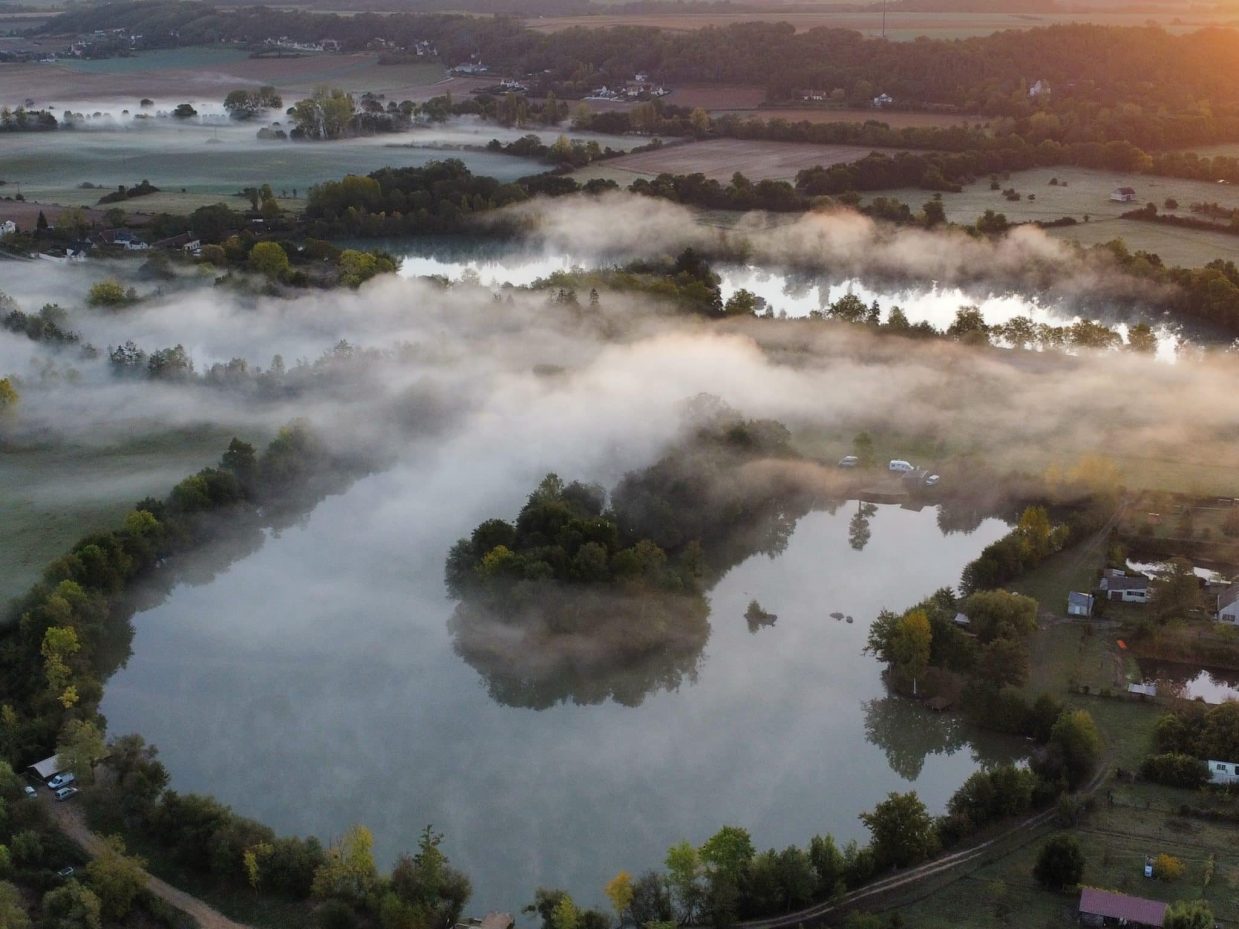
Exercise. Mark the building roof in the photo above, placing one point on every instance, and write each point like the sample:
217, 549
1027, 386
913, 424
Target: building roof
1084, 601
1148, 688
1125, 190
1228, 596
1123, 582
47, 768
1120, 906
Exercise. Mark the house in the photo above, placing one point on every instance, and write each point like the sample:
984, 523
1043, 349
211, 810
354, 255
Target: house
962, 621
1223, 772
1123, 195
46, 769
1039, 89
1125, 588
1079, 604
882, 100
489, 921
1107, 908
1228, 605
8, 227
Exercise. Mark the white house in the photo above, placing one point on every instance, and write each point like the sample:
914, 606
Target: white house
1223, 772
882, 100
1125, 588
1123, 195
1228, 605
1039, 89
8, 227
1079, 604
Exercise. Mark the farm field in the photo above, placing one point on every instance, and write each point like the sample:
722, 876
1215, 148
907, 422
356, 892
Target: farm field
899, 26
893, 118
1084, 192
210, 73
721, 158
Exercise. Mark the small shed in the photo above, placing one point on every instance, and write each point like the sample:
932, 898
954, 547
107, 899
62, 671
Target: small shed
1123, 195
1079, 604
1107, 908
1147, 689
962, 621
46, 769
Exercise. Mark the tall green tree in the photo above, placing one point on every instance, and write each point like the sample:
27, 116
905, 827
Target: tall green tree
116, 878
1060, 863
903, 831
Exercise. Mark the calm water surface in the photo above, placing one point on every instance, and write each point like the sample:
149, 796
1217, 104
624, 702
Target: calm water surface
313, 685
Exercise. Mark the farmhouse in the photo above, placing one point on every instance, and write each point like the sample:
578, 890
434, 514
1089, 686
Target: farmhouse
1228, 605
1125, 588
1106, 908
1079, 604
1223, 772
1123, 195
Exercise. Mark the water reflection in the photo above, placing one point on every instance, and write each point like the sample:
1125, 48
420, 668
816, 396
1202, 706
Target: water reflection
1191, 682
858, 526
908, 734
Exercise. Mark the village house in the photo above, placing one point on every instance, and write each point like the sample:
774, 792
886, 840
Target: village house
1127, 588
1228, 605
1039, 89
1079, 604
1107, 908
882, 100
8, 227
1123, 195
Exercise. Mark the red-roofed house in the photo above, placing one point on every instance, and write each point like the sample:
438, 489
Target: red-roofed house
1107, 908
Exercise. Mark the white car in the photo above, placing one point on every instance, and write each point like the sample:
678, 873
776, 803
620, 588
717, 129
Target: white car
66, 793
61, 780
30, 792
898, 464
849, 461
931, 480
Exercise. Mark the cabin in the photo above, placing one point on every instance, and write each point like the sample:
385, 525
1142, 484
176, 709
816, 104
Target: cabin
46, 769
1125, 588
1228, 605
1107, 908
1123, 195
1223, 772
1079, 604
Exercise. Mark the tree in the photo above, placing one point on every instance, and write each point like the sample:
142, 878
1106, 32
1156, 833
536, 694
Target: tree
684, 874
1034, 530
910, 646
9, 396
116, 878
184, 111
1060, 863
72, 907
935, 213
269, 259
12, 908
349, 872
109, 293
727, 852
862, 448
565, 915
1076, 739
902, 829
1177, 592
619, 891
1188, 914
651, 900
325, 114
1141, 338
1168, 868
81, 747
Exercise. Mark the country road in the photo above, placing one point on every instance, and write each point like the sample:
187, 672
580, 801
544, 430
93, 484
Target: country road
68, 817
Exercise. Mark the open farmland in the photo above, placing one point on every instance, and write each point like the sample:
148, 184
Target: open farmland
899, 26
721, 158
207, 73
1082, 192
893, 118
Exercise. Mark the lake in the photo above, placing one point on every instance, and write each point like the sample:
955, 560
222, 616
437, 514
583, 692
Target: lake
313, 684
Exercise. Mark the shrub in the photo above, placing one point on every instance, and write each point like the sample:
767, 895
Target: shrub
1175, 769
1168, 868
1060, 863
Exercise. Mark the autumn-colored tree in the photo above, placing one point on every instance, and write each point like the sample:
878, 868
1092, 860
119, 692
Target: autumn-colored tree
619, 891
349, 873
81, 747
116, 878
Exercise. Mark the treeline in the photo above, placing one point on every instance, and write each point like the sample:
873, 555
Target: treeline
1149, 214
1200, 732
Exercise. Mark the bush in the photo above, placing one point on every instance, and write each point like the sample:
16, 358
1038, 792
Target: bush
1060, 863
1175, 769
1168, 868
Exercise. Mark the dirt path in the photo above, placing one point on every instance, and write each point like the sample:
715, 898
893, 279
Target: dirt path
68, 817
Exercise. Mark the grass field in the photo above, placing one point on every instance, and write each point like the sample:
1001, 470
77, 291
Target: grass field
721, 158
51, 496
900, 26
893, 118
1082, 192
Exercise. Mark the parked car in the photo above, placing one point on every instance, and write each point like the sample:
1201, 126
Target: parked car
898, 464
30, 792
65, 873
849, 461
66, 793
61, 780
932, 480
1148, 867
